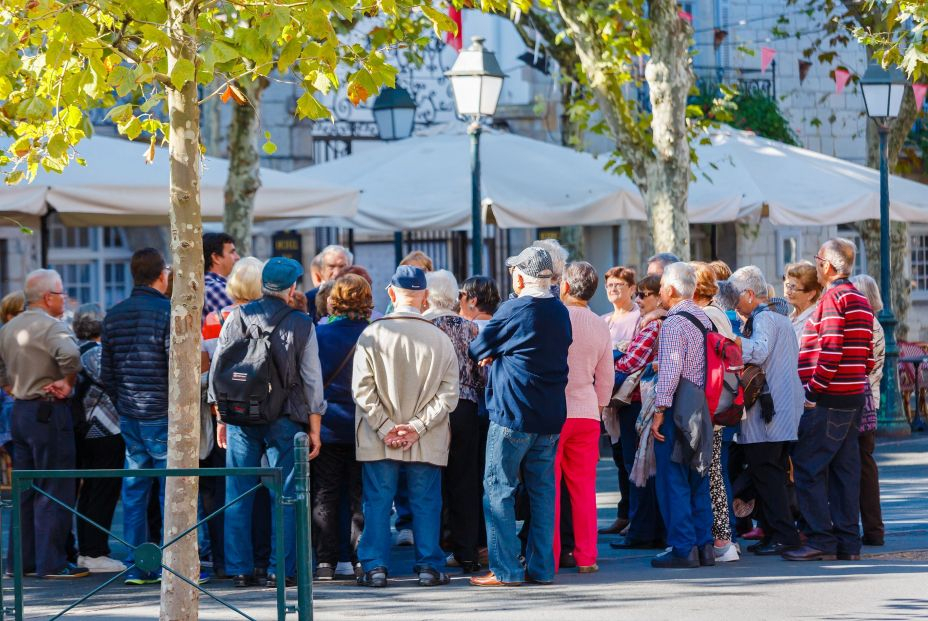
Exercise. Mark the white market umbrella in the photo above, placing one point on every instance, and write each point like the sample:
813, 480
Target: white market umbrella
117, 188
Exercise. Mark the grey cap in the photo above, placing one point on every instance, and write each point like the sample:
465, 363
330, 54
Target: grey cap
534, 262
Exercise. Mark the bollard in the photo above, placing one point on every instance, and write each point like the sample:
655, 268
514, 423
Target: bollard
304, 568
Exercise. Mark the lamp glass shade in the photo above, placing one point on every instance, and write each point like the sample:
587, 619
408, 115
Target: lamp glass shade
394, 113
883, 91
467, 94
490, 90
476, 80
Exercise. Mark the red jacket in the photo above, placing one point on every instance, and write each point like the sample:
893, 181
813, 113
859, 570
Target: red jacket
836, 349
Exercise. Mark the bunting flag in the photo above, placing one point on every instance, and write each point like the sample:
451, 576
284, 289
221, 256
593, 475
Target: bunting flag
718, 38
841, 78
804, 66
919, 90
766, 57
455, 40
687, 17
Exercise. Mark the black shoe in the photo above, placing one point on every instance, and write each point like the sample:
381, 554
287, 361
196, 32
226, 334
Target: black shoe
756, 546
808, 553
706, 555
567, 560
843, 556
669, 560
773, 548
260, 577
873, 541
470, 567
377, 578
615, 528
272, 581
429, 577
627, 544
242, 581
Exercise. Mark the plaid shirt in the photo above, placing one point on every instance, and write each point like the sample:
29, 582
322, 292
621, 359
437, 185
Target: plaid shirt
642, 349
681, 352
215, 297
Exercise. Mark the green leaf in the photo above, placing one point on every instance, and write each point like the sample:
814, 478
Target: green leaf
269, 147
289, 54
76, 26
14, 177
132, 128
182, 72
119, 114
72, 116
441, 21
57, 146
308, 107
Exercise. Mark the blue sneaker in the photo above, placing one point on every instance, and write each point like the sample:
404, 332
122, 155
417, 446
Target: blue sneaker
70, 571
138, 577
204, 577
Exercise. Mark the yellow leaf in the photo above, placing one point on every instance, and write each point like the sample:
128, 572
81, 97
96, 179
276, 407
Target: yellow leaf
150, 152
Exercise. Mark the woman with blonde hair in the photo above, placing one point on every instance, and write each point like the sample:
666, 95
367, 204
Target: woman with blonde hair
802, 290
243, 286
11, 305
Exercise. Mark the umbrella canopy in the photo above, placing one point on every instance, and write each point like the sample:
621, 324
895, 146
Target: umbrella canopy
117, 188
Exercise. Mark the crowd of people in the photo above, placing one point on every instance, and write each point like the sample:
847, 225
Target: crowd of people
468, 424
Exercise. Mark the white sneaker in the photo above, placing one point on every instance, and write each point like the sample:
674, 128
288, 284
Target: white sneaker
344, 570
100, 564
728, 554
405, 538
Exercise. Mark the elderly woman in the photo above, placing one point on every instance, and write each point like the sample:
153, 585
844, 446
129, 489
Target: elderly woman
771, 424
463, 479
645, 527
719, 485
335, 471
11, 305
478, 298
802, 290
589, 386
243, 286
871, 516
623, 320
99, 446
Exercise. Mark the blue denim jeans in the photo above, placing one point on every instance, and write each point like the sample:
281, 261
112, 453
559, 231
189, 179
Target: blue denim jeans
826, 460
506, 450
146, 447
246, 445
378, 488
683, 495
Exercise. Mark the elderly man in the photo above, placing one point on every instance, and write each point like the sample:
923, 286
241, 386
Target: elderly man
327, 265
658, 262
526, 346
39, 362
770, 425
682, 426
405, 382
835, 357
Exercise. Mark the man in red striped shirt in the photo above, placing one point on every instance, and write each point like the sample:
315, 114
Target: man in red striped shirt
835, 357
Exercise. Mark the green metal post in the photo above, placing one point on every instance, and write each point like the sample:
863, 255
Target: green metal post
304, 570
476, 261
280, 551
17, 550
398, 246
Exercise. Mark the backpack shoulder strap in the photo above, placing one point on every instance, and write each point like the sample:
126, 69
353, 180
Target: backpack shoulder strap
341, 366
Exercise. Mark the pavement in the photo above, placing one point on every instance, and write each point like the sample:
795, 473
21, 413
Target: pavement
889, 583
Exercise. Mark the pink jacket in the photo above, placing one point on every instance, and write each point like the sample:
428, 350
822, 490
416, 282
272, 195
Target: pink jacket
591, 377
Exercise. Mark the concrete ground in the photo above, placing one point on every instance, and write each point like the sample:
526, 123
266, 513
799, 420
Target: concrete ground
889, 583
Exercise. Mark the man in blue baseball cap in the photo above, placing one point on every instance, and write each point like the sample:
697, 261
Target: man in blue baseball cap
266, 385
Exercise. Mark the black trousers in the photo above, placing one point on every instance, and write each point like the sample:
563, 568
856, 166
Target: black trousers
462, 483
871, 516
97, 498
624, 490
767, 467
213, 496
334, 472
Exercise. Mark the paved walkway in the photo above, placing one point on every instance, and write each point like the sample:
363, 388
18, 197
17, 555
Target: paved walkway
889, 583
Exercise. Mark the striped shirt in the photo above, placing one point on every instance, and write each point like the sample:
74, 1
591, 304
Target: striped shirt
681, 351
836, 351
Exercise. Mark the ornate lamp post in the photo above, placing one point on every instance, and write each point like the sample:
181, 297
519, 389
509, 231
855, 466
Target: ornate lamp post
477, 82
883, 91
395, 113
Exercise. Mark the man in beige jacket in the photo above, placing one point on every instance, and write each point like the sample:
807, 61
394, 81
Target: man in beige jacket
405, 382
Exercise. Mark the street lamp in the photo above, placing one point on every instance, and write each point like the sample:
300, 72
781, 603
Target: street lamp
477, 82
883, 91
394, 113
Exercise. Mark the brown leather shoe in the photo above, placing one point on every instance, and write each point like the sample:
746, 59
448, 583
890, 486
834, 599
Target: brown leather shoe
490, 580
615, 528
848, 557
808, 553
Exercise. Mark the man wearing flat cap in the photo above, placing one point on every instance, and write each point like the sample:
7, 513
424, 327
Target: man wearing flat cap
525, 346
405, 383
254, 426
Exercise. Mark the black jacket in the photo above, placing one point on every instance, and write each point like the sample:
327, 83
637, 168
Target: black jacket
136, 338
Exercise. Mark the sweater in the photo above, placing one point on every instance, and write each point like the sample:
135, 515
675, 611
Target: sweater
336, 340
590, 377
405, 371
35, 350
528, 339
836, 352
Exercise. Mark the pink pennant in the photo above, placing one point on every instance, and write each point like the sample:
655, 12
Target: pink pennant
766, 57
687, 17
841, 78
920, 90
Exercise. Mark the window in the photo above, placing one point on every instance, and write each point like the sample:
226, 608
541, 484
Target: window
918, 242
789, 243
860, 260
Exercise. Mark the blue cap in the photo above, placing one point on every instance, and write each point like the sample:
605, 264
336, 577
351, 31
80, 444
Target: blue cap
409, 277
280, 273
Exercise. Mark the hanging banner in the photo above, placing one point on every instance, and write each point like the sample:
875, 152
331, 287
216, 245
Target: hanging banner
841, 78
687, 17
766, 57
919, 90
804, 66
455, 40
718, 37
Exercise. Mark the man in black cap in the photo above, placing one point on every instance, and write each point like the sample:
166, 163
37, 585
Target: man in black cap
255, 420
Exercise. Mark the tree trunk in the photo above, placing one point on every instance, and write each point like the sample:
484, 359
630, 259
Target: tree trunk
244, 166
179, 601
899, 231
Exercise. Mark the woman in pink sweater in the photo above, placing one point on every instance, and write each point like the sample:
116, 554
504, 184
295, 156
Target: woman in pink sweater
589, 388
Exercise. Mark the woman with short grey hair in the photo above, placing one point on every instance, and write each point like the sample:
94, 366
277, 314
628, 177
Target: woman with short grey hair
443, 291
871, 516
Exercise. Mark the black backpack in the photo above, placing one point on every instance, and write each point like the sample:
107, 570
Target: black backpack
246, 383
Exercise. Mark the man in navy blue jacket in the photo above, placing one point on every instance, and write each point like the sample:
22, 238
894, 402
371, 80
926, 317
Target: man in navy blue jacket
525, 345
134, 373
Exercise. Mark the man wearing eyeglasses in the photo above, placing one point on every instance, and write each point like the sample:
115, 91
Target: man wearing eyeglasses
39, 362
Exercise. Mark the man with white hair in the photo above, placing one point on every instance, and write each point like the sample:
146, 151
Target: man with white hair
660, 261
835, 358
327, 265
39, 362
771, 422
525, 345
682, 426
405, 383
